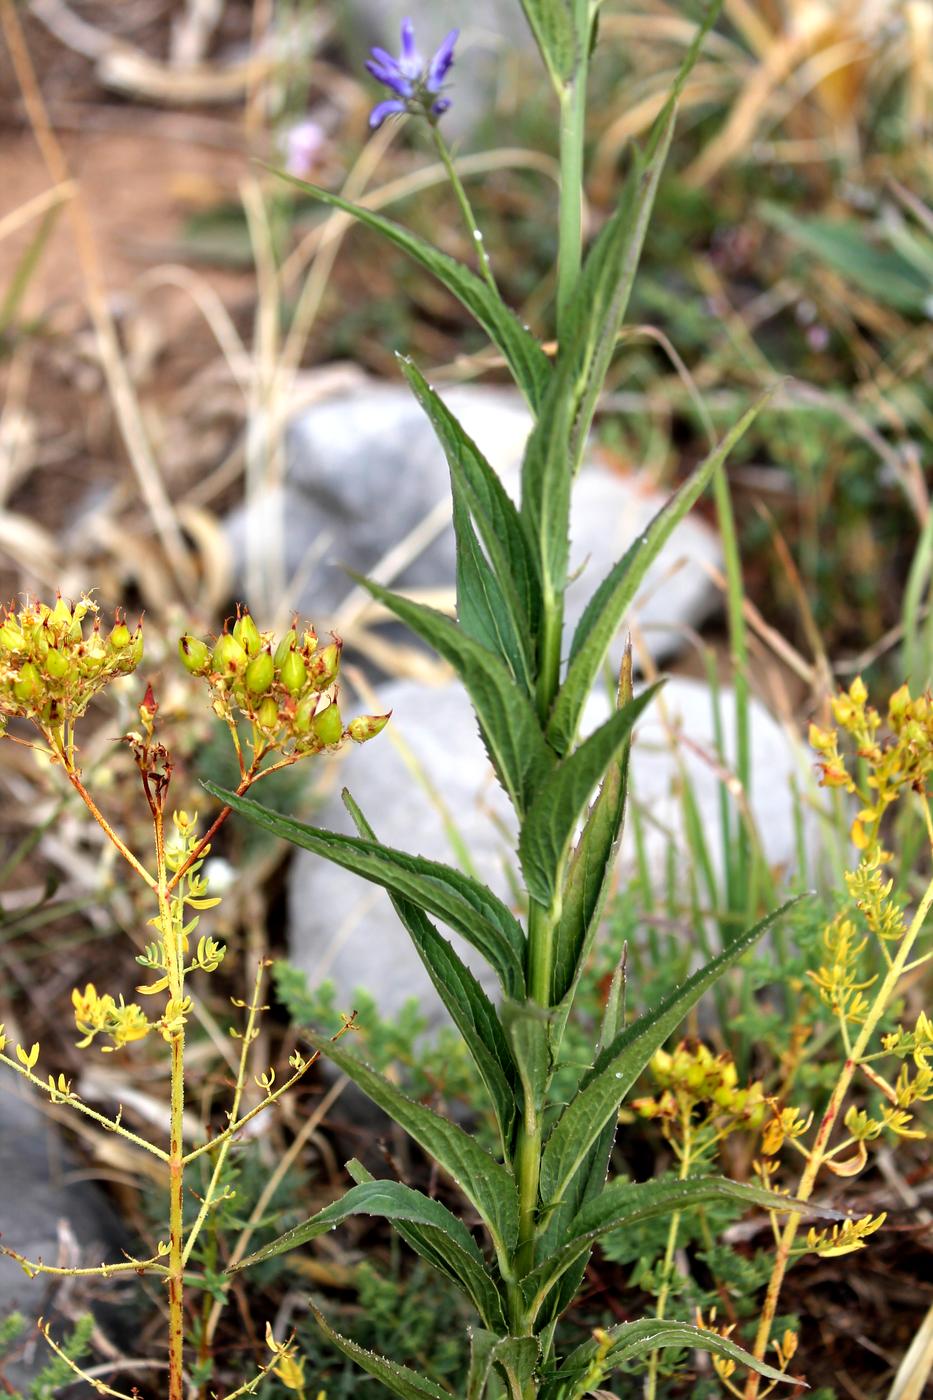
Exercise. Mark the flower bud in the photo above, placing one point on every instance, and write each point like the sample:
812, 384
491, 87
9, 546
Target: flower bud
195, 654
294, 673
260, 673
247, 634
28, 684
367, 726
267, 716
229, 656
285, 646
326, 665
328, 726
11, 636
61, 613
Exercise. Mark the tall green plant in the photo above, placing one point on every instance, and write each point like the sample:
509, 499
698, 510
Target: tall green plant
543, 1199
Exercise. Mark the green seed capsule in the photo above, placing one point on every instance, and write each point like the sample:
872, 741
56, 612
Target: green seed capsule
120, 637
56, 665
61, 613
247, 634
260, 674
285, 646
366, 727
195, 654
301, 723
328, 726
229, 657
28, 684
293, 673
138, 646
267, 716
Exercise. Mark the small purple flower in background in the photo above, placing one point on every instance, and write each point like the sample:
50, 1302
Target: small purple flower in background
303, 144
417, 85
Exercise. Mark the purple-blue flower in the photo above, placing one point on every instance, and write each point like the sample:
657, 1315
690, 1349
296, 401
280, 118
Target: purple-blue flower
417, 85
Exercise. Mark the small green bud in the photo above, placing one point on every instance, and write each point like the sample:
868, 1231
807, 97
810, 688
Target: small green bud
28, 684
260, 674
326, 665
56, 665
138, 646
120, 637
195, 654
267, 716
61, 613
285, 646
247, 634
328, 726
229, 657
294, 673
366, 727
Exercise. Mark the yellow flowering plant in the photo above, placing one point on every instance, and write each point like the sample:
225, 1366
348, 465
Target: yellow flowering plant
869, 948
279, 700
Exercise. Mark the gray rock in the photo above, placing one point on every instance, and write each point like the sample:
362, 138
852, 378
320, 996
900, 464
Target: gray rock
490, 32
344, 929
364, 469
39, 1207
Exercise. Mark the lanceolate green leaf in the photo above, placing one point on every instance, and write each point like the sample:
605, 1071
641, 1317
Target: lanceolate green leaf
607, 607
470, 1008
495, 515
460, 1268
448, 1243
467, 906
484, 610
506, 718
553, 816
527, 1026
399, 1379
529, 364
552, 24
633, 1339
627, 1203
620, 1063
485, 1182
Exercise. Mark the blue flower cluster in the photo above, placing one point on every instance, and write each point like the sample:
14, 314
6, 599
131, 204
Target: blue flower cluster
417, 85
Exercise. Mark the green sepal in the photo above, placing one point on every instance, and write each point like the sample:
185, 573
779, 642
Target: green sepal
463, 903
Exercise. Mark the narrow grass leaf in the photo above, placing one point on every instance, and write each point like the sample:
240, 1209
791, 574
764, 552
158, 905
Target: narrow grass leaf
507, 720
487, 1184
530, 366
605, 610
621, 1062
400, 1380
463, 903
470, 1008
561, 800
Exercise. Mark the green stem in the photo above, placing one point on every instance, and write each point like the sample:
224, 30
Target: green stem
572, 130
474, 231
738, 641
651, 1380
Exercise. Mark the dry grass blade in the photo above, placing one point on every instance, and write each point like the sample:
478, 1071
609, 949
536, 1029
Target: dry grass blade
915, 1370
